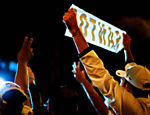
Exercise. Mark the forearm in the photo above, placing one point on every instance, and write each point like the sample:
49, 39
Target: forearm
21, 76
80, 41
128, 56
22, 79
95, 97
127, 51
70, 19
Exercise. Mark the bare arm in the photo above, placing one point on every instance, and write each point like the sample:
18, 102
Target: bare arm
24, 56
127, 45
71, 22
94, 96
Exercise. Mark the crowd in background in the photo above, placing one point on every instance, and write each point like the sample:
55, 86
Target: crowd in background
72, 98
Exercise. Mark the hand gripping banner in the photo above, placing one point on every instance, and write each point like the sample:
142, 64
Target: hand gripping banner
97, 31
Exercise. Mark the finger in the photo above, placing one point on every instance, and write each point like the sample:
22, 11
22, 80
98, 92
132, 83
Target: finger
73, 71
78, 64
29, 69
25, 42
71, 9
32, 53
66, 19
83, 73
128, 37
73, 66
31, 49
30, 42
66, 16
31, 74
122, 82
124, 35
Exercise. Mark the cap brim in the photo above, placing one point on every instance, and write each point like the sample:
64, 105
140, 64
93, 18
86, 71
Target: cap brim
120, 73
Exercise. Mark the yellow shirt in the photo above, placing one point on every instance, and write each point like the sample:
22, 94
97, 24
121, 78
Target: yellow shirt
123, 102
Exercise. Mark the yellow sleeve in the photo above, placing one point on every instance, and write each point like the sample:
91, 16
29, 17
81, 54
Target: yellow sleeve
120, 99
99, 74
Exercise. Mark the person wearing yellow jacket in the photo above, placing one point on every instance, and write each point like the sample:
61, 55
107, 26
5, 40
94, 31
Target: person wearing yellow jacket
130, 98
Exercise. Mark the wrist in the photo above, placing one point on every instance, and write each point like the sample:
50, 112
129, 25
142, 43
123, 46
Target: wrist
127, 48
22, 62
75, 31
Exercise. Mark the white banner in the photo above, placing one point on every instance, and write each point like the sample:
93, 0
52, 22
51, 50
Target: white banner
97, 31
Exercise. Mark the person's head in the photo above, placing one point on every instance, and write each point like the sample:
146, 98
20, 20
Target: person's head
12, 98
136, 76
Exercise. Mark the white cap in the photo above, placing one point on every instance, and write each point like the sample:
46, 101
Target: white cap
137, 75
7, 86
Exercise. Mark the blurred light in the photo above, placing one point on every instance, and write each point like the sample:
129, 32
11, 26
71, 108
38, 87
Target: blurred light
2, 82
7, 70
7, 75
3, 76
2, 64
1, 79
106, 101
12, 66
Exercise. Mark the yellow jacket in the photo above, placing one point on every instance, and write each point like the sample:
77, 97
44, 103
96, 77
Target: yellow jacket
123, 102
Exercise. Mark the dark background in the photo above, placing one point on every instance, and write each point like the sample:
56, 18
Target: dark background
53, 52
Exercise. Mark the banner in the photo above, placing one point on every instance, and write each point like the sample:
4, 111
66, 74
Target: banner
97, 31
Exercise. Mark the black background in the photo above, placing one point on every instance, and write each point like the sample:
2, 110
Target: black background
53, 52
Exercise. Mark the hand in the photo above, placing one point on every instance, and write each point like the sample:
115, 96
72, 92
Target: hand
80, 75
70, 19
26, 52
126, 41
127, 45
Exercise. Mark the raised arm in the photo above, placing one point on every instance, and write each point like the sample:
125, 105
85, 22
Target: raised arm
93, 64
94, 96
24, 56
71, 22
127, 44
